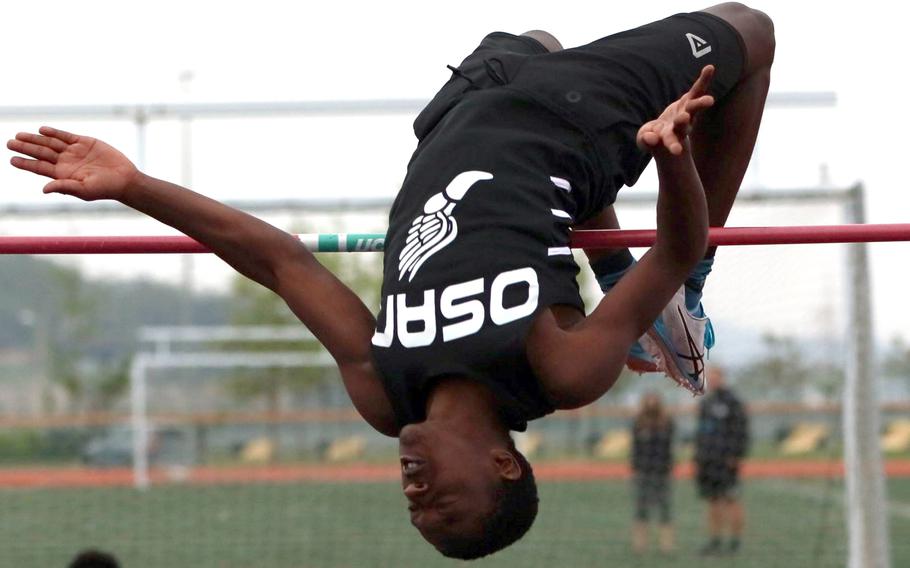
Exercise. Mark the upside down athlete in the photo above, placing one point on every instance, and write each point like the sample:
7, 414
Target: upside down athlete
482, 327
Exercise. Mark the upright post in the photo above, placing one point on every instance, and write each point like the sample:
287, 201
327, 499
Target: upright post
139, 422
867, 514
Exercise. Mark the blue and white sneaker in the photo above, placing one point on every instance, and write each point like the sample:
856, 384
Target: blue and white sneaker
666, 347
678, 343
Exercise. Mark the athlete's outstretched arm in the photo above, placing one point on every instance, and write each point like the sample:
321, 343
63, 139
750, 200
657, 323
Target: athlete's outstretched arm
592, 353
90, 169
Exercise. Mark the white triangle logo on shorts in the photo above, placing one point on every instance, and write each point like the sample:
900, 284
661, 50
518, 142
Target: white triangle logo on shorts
699, 46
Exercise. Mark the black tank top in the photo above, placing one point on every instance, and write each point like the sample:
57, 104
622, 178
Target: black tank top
478, 244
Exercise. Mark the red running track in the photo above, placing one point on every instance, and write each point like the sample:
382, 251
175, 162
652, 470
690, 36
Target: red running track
365, 473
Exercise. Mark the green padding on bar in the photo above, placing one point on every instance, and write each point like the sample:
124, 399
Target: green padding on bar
358, 242
353, 242
327, 243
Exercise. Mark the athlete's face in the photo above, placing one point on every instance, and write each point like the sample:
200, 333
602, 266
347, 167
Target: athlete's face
450, 483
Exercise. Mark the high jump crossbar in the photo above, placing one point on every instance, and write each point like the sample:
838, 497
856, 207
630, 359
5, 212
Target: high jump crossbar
368, 242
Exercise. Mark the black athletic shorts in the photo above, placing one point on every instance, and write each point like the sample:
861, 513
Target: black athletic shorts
606, 89
717, 479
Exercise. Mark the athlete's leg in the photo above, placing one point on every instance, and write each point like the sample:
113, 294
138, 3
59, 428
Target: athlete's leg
606, 219
724, 136
609, 265
722, 144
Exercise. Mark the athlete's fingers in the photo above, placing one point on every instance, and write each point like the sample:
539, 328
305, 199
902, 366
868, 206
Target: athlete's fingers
700, 104
64, 186
35, 166
704, 80
650, 138
52, 143
32, 150
681, 127
671, 141
647, 139
63, 135
700, 87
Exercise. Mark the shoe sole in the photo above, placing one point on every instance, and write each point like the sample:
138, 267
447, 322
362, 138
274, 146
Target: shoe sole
641, 366
656, 347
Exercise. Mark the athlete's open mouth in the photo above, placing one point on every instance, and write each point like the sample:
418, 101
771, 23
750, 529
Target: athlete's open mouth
411, 465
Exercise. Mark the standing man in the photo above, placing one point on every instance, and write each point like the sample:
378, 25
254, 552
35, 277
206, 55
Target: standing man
721, 442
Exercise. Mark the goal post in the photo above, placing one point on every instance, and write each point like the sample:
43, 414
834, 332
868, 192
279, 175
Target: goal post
165, 358
867, 517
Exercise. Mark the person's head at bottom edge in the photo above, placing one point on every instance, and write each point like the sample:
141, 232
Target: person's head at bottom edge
468, 500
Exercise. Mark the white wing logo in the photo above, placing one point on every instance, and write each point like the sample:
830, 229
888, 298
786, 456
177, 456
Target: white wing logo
436, 228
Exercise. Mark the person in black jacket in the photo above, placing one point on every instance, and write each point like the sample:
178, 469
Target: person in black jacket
721, 442
652, 464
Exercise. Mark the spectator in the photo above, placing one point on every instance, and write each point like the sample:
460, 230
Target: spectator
652, 463
721, 441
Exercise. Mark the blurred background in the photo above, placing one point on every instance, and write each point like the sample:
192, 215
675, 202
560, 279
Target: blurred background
167, 410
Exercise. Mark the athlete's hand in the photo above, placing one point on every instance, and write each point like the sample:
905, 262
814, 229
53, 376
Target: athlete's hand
670, 130
80, 166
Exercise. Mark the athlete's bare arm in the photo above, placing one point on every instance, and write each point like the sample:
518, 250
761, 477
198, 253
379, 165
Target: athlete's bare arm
90, 169
591, 353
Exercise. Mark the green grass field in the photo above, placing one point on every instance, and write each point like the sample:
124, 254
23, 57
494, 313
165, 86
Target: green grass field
790, 523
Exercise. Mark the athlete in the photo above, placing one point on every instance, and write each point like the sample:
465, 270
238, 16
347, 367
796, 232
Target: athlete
482, 327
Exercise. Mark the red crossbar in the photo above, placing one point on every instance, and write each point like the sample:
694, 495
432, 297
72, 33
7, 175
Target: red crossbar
580, 239
754, 235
